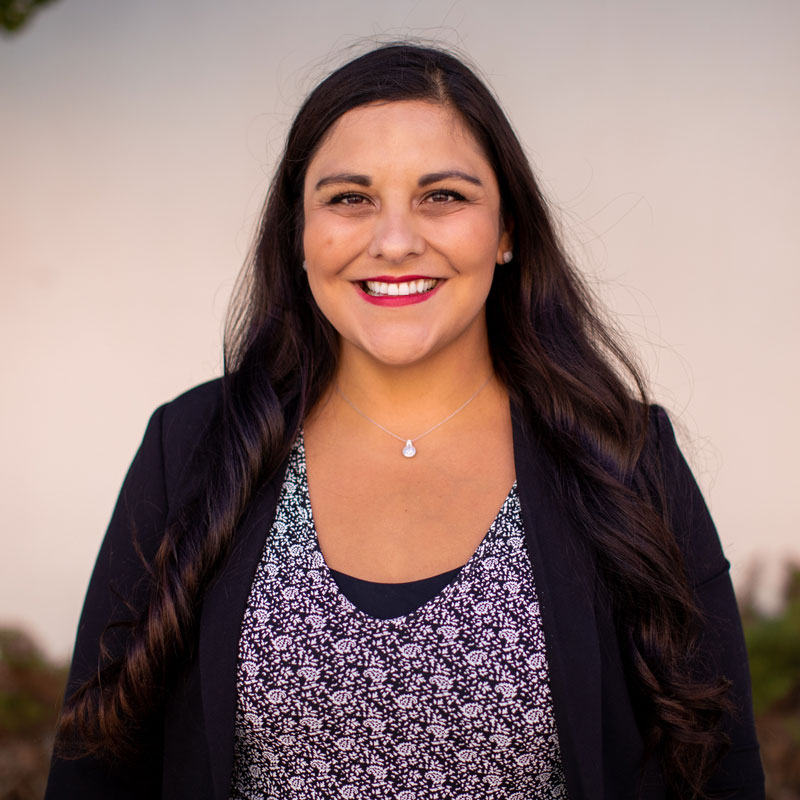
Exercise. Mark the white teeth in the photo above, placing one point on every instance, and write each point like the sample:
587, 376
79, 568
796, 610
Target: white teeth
384, 289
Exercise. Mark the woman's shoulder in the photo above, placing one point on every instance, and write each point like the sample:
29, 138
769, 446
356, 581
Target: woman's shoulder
660, 427
686, 510
662, 446
193, 410
179, 429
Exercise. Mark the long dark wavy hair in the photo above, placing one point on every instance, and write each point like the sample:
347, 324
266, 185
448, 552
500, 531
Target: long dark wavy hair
562, 366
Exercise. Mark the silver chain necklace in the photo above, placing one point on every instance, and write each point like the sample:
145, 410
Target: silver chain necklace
409, 451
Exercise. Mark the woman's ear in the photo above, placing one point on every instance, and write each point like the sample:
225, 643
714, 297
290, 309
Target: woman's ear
505, 248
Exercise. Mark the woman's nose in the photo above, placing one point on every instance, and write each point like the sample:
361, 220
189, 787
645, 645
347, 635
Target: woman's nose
395, 236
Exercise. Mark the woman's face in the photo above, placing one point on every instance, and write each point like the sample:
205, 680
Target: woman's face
402, 232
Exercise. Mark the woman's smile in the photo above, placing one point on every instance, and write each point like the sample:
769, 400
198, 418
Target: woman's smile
391, 292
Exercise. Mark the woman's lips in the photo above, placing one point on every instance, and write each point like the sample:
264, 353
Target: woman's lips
388, 291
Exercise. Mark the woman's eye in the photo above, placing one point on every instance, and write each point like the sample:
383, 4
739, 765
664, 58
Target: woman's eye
444, 196
348, 199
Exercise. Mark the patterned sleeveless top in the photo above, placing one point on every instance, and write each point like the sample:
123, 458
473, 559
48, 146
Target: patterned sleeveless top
449, 701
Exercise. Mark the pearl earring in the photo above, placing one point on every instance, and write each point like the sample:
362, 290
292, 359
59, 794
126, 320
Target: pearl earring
305, 266
507, 256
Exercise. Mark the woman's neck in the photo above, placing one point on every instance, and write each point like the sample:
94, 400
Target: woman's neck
410, 395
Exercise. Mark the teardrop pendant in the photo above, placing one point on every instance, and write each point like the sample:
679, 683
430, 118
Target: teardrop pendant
409, 451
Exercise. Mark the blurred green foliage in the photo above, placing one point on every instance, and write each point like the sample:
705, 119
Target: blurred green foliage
773, 644
15, 14
774, 647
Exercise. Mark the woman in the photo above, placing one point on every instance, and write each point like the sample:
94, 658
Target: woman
410, 352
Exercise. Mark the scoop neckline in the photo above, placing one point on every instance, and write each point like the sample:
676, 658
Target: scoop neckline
406, 619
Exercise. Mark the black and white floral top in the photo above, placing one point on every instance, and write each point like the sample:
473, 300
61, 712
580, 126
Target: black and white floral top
449, 701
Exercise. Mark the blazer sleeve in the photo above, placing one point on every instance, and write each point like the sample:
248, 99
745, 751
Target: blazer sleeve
722, 647
117, 592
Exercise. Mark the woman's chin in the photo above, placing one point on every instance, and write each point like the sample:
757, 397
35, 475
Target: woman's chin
398, 357
391, 351
399, 349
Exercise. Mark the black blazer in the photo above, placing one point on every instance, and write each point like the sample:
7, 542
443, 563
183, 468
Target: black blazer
188, 752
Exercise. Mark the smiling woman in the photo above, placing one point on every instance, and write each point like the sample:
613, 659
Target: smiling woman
532, 602
428, 214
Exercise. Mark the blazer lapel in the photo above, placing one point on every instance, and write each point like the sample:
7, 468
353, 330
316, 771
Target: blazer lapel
565, 581
221, 619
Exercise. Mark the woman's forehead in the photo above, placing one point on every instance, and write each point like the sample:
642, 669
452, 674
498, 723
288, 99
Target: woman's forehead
414, 130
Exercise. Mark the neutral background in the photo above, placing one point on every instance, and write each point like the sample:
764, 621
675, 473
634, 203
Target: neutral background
137, 141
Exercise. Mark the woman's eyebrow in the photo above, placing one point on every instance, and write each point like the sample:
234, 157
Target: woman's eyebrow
435, 177
360, 180
425, 180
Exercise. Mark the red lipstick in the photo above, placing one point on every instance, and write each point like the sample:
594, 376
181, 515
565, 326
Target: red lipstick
401, 279
393, 301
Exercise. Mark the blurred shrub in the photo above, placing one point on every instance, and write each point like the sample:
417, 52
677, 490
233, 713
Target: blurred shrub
30, 695
773, 644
